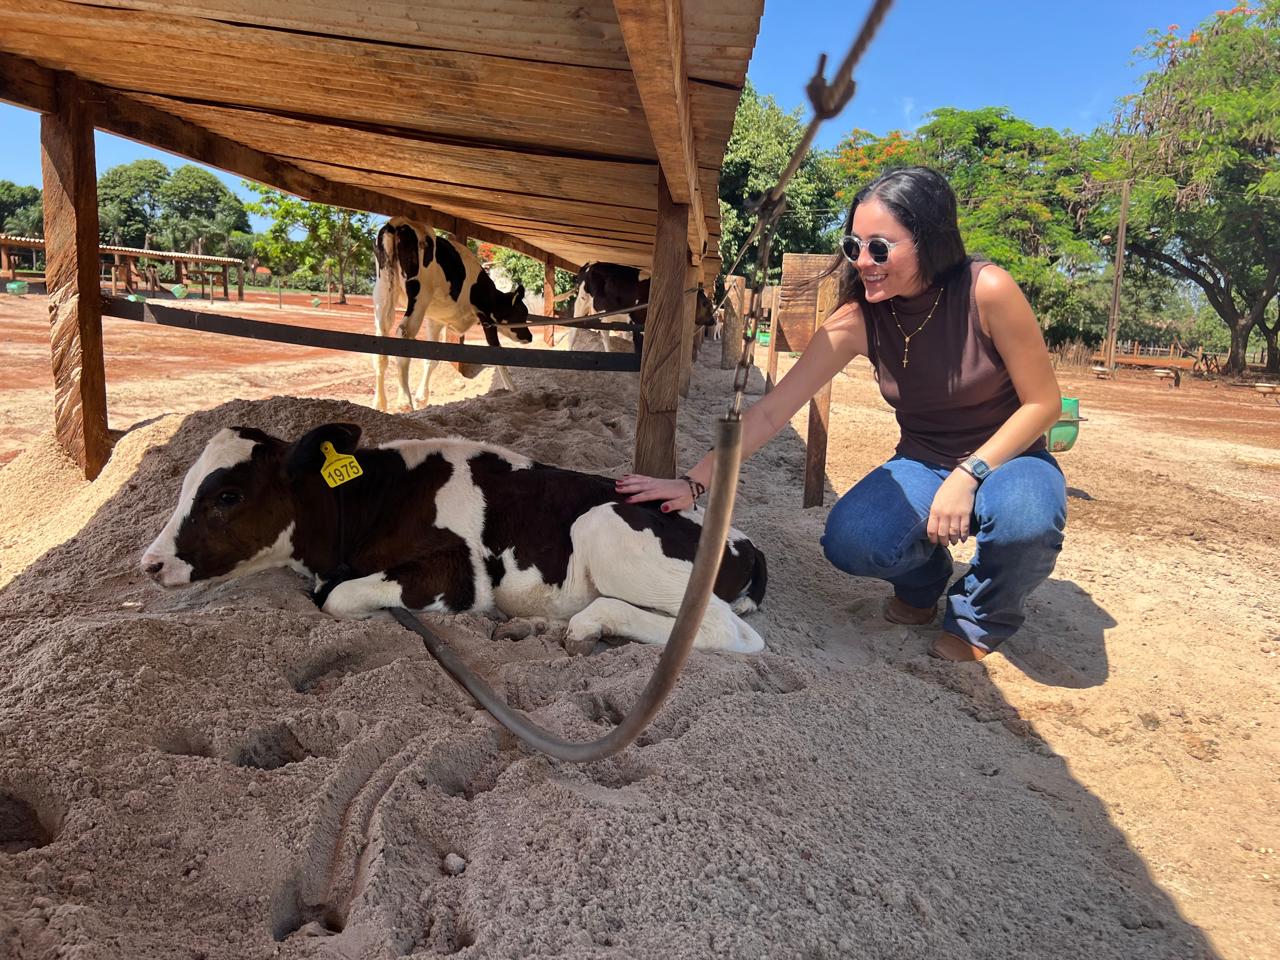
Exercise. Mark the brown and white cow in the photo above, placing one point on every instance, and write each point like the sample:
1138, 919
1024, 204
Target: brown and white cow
444, 284
612, 286
451, 526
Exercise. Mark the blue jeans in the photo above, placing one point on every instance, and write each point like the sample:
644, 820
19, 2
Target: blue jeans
877, 529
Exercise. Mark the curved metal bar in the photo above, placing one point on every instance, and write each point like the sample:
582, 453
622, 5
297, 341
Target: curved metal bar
706, 564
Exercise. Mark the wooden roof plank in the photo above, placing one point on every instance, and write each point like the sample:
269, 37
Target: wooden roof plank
653, 31
138, 121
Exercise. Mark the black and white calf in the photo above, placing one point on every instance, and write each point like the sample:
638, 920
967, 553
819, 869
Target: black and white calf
612, 286
450, 526
444, 284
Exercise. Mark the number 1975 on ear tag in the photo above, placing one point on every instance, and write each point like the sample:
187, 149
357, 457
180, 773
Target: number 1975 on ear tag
338, 467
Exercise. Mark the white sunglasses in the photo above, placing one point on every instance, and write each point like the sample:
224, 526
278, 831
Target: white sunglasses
878, 247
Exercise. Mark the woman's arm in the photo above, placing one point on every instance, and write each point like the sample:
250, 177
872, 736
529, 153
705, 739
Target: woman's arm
1016, 334
834, 344
1007, 318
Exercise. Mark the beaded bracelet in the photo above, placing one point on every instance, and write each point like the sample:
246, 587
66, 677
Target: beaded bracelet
695, 488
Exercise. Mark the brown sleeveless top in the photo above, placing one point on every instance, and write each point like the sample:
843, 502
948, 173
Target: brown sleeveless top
955, 391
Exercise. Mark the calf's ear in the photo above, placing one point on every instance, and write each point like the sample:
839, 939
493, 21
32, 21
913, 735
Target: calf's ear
517, 295
305, 455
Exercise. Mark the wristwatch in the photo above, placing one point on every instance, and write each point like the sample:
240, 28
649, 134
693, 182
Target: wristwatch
976, 468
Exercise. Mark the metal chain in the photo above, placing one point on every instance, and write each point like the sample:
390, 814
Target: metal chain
827, 101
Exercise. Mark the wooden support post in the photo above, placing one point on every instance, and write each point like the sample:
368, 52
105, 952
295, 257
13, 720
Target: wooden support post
815, 447
115, 273
6, 265
691, 276
71, 277
178, 276
734, 308
771, 367
226, 293
549, 302
655, 452
126, 274
240, 281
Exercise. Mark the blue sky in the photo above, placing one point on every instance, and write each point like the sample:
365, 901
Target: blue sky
1053, 64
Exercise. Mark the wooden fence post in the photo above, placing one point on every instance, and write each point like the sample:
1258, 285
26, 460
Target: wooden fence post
655, 451
687, 322
240, 282
71, 277
815, 448
549, 302
731, 335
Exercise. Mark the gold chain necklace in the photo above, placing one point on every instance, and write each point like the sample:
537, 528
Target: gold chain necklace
906, 337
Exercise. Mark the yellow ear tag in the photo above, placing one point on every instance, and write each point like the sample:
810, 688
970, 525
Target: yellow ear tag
338, 467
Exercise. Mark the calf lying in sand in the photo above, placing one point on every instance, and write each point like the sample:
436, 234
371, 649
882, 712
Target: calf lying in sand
451, 526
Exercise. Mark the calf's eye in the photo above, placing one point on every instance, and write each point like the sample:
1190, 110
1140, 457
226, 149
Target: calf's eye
229, 498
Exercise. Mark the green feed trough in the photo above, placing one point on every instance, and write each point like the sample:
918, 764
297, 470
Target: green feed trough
16, 287
1061, 437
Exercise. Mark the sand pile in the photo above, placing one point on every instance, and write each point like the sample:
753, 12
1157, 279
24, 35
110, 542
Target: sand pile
226, 772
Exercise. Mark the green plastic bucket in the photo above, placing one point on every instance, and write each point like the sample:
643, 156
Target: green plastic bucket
763, 338
1062, 436
17, 287
178, 290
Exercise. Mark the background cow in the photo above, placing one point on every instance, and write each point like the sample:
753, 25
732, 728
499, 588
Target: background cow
451, 526
612, 286
445, 285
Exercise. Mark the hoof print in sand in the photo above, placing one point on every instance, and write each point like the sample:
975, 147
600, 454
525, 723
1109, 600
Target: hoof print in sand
262, 748
328, 670
22, 827
269, 748
291, 918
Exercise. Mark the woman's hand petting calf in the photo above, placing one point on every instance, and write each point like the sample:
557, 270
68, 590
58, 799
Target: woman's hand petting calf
675, 494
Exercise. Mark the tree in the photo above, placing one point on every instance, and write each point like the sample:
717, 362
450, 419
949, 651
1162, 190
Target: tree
198, 212
21, 210
522, 269
763, 139
129, 202
1018, 187
1200, 143
313, 237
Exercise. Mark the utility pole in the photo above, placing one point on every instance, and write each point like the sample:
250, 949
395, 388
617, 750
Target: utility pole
1113, 322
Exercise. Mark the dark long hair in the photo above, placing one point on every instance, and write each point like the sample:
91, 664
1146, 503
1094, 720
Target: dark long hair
922, 201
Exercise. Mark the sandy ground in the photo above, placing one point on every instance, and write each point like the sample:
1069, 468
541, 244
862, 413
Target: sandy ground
226, 772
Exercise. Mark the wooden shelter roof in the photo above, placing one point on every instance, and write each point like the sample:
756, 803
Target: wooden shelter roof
537, 124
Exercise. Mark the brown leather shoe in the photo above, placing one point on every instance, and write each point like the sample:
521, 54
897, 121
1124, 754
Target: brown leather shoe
947, 646
898, 611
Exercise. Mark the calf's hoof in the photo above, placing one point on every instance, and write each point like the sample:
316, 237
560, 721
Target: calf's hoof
519, 628
581, 636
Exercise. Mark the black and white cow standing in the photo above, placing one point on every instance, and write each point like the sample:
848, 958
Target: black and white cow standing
613, 286
443, 283
450, 526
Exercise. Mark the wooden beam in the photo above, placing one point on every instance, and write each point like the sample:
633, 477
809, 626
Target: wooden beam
655, 453
71, 276
687, 323
27, 84
653, 31
735, 311
815, 446
549, 302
